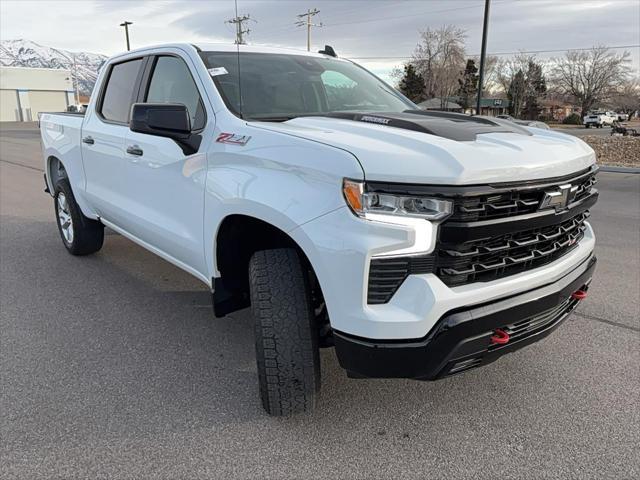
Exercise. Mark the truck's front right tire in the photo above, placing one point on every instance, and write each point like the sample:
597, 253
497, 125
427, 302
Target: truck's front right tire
286, 335
80, 235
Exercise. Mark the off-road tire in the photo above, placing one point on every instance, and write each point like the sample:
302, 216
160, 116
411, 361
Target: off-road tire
88, 234
286, 335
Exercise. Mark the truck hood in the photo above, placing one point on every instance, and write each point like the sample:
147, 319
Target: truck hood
441, 153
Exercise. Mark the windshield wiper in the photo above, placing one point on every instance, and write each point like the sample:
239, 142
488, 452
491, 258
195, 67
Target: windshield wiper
275, 118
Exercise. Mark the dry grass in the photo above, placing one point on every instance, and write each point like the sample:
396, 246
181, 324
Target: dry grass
618, 151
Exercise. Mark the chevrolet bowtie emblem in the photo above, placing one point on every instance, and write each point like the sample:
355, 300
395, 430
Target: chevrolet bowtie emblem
559, 198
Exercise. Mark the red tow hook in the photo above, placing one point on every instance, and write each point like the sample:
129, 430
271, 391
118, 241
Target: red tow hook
499, 337
579, 295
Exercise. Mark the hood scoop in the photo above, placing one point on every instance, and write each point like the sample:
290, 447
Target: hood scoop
454, 126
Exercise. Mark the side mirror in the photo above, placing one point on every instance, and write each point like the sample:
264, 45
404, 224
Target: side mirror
169, 120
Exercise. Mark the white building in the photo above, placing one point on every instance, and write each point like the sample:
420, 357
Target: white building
25, 92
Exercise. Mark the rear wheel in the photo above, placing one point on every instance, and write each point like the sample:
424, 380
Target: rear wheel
286, 334
80, 235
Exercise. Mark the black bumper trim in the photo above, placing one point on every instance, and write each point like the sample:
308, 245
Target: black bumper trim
460, 340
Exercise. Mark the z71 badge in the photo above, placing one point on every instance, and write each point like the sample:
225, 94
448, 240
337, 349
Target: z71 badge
233, 139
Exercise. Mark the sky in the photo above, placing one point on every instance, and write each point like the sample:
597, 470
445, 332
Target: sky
380, 34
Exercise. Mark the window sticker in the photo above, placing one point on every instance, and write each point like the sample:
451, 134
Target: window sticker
214, 72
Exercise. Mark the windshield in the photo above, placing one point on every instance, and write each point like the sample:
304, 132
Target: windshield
280, 87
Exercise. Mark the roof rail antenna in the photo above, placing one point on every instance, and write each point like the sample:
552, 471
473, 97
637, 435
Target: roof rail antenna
328, 50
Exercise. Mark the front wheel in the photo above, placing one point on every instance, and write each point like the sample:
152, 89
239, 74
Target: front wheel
286, 333
80, 235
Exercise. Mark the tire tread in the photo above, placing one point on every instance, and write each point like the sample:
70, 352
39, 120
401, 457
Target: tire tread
285, 333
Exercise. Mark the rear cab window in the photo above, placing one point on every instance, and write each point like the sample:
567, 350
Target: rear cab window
119, 91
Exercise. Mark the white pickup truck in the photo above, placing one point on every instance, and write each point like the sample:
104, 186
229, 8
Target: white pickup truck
599, 119
419, 244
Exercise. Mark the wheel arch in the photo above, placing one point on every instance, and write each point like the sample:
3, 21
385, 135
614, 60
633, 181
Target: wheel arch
55, 170
237, 238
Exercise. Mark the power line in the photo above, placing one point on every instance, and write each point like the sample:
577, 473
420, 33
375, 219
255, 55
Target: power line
384, 19
301, 23
618, 47
280, 28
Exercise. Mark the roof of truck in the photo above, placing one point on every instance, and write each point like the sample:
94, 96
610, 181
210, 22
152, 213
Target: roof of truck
231, 47
220, 47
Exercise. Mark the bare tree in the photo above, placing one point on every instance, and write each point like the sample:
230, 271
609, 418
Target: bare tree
490, 82
627, 99
591, 76
507, 68
440, 59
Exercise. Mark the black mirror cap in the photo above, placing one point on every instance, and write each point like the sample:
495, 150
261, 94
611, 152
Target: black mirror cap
162, 119
170, 120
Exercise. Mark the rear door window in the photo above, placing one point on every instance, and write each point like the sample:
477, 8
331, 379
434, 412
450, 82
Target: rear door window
118, 94
171, 82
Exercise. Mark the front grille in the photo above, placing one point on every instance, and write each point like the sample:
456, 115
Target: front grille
495, 231
512, 202
486, 260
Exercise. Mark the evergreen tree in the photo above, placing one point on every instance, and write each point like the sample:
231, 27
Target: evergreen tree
536, 88
468, 85
412, 84
516, 93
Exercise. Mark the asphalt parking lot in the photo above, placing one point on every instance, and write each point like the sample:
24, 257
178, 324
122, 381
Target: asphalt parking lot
594, 132
582, 131
113, 366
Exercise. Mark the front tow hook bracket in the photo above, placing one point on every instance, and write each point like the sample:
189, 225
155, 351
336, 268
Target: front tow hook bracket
499, 337
579, 295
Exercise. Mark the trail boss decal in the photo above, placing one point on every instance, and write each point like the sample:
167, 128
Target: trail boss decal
233, 139
370, 119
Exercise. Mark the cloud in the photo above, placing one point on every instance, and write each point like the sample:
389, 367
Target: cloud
355, 28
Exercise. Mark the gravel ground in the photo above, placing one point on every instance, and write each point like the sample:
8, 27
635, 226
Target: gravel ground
618, 151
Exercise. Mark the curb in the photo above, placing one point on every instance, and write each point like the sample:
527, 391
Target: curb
612, 168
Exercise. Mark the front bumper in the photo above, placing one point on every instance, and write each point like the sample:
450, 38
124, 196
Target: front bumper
460, 340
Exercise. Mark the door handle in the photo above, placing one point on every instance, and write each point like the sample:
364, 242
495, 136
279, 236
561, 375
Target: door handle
134, 150
88, 140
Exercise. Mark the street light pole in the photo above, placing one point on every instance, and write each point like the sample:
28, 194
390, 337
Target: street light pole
126, 24
483, 53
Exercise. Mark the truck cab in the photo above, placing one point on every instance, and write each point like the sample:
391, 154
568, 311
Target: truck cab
418, 244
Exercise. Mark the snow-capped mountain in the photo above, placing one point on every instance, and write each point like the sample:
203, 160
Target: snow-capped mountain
25, 53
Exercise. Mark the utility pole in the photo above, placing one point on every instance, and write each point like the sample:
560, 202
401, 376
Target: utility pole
126, 24
483, 53
238, 22
75, 76
301, 23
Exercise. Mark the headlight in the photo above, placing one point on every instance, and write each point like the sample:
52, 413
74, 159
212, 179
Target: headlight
363, 203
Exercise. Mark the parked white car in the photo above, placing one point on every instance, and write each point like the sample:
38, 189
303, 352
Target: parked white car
599, 119
419, 244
